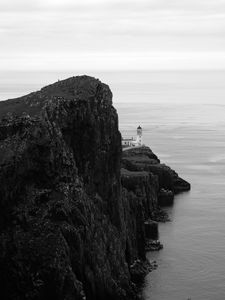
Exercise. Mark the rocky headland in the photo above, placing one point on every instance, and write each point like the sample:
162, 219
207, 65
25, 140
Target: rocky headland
77, 213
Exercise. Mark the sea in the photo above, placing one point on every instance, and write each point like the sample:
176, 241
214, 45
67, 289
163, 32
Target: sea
182, 114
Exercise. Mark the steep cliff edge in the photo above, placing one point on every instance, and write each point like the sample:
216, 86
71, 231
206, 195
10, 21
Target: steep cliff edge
62, 224
68, 228
142, 159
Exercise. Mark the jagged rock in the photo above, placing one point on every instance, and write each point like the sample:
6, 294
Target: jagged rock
151, 230
144, 185
149, 185
62, 225
142, 159
165, 197
153, 245
140, 269
140, 200
68, 228
181, 185
159, 215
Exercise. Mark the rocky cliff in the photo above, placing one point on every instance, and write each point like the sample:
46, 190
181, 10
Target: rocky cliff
71, 226
143, 159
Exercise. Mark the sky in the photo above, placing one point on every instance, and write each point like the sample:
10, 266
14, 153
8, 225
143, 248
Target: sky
112, 35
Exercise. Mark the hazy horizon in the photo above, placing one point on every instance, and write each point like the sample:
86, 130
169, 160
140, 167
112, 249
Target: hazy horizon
181, 42
112, 35
130, 87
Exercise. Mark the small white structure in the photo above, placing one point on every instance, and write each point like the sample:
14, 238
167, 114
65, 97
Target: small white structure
139, 135
131, 142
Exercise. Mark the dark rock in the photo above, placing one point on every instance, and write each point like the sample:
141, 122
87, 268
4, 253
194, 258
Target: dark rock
181, 185
153, 245
160, 215
140, 200
165, 197
143, 159
143, 185
62, 226
68, 228
139, 269
151, 230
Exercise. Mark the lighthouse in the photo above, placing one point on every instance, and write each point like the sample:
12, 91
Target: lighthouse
139, 135
132, 142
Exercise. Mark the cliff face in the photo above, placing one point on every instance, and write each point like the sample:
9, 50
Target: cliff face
143, 159
62, 224
140, 200
68, 228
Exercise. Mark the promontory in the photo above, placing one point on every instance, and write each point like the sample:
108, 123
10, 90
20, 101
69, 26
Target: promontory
74, 212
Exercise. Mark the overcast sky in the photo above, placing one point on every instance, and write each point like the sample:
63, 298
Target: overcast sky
111, 34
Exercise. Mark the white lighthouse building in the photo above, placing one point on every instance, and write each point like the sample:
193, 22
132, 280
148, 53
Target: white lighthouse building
139, 136
131, 142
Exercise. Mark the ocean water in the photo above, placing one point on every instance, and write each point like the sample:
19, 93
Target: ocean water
191, 139
183, 120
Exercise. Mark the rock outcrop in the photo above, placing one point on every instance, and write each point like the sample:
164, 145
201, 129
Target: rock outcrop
71, 226
142, 159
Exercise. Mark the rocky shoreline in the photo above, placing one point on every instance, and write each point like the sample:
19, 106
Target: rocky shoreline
77, 213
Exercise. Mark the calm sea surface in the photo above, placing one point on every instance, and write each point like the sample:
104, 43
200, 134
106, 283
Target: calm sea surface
186, 129
190, 139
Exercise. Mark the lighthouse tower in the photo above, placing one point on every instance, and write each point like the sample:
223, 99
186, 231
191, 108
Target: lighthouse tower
139, 136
